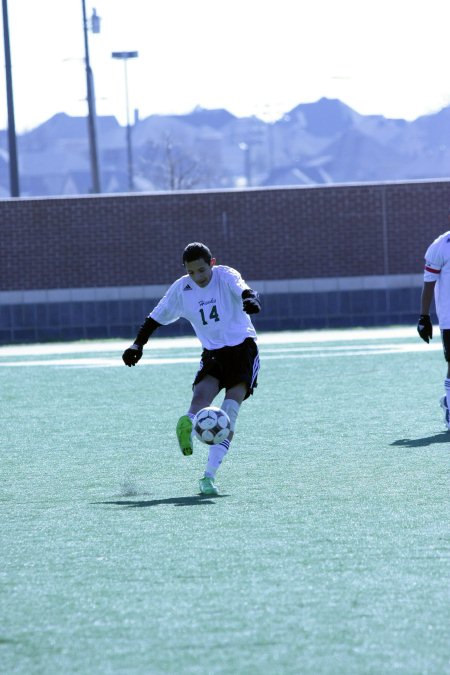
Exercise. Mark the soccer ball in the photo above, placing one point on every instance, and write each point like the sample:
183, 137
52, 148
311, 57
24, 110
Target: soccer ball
212, 425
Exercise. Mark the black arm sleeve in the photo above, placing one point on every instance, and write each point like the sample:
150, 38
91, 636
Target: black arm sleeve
148, 327
251, 301
249, 293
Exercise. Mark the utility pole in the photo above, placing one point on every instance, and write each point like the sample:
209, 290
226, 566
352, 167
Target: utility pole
12, 141
93, 152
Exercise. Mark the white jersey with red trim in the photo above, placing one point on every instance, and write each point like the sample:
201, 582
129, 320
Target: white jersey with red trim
215, 311
437, 268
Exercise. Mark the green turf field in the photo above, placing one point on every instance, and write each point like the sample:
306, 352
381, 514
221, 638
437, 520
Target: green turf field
327, 551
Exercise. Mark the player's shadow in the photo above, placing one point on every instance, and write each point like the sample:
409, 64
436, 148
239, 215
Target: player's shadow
442, 437
195, 500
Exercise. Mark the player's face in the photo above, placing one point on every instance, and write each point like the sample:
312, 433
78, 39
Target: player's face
200, 271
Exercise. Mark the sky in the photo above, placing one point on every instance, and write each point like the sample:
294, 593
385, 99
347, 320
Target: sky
251, 57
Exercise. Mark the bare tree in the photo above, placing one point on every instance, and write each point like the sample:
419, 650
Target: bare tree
172, 165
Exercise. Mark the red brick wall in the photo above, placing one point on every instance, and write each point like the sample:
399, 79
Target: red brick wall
277, 233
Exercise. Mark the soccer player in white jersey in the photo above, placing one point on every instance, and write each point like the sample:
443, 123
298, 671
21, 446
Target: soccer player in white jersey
436, 282
217, 302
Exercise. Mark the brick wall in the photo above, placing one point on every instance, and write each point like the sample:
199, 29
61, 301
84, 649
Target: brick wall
321, 257
278, 233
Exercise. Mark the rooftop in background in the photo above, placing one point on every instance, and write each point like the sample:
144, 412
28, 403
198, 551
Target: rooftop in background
319, 143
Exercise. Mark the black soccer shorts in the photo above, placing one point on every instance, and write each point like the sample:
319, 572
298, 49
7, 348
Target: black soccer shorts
445, 334
231, 365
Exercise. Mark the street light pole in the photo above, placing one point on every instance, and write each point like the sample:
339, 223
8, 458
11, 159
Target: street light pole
124, 56
93, 153
12, 141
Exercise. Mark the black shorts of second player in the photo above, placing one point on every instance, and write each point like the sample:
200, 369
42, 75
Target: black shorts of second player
445, 334
231, 365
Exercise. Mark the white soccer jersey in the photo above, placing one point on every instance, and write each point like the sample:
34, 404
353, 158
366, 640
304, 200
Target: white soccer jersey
437, 268
214, 311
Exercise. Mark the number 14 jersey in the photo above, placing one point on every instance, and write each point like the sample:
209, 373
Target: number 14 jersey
215, 311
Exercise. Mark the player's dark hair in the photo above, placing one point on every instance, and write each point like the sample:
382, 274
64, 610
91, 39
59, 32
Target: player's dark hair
196, 250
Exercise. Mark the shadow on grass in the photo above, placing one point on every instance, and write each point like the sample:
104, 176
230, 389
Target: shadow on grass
196, 500
442, 437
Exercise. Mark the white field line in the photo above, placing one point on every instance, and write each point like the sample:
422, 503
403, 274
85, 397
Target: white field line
97, 362
418, 346
266, 355
279, 338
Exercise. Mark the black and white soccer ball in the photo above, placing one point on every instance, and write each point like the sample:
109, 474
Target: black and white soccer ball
212, 425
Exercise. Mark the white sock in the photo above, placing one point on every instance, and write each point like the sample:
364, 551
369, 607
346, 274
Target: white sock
231, 407
447, 390
215, 457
